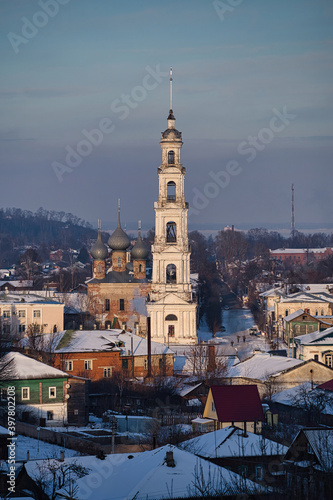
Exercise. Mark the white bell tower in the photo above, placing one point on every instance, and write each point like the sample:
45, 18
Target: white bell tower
171, 305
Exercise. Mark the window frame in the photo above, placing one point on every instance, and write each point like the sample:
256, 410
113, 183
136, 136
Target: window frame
53, 390
28, 393
68, 365
88, 364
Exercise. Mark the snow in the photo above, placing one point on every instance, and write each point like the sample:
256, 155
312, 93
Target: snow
188, 388
39, 449
317, 337
147, 476
95, 467
230, 442
315, 395
293, 315
106, 340
23, 368
263, 365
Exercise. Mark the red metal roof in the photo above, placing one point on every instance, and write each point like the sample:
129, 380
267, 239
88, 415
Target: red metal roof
237, 403
326, 385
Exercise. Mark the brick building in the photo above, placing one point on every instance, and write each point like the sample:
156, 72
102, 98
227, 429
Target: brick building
100, 354
117, 295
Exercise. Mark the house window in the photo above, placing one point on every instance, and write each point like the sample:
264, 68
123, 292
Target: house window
6, 314
107, 372
259, 473
286, 312
243, 470
21, 328
315, 357
125, 364
25, 393
171, 157
88, 364
68, 365
52, 392
107, 304
3, 394
36, 313
76, 412
329, 360
21, 314
322, 312
121, 304
316, 313
49, 415
145, 364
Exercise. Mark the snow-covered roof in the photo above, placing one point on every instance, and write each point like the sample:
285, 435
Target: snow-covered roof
263, 365
322, 338
106, 340
321, 441
315, 396
3, 430
94, 466
307, 297
22, 367
299, 250
147, 476
187, 389
25, 298
230, 442
294, 315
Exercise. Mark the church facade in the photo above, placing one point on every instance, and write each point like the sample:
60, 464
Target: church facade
123, 291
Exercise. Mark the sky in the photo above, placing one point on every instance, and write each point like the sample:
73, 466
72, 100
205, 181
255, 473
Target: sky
84, 95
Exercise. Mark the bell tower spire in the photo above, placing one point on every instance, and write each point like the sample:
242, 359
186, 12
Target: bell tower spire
172, 307
171, 89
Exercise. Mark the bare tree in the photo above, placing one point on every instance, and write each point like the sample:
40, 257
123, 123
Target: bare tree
53, 475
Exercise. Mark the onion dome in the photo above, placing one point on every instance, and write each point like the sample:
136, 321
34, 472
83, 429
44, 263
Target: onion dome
99, 251
119, 239
139, 251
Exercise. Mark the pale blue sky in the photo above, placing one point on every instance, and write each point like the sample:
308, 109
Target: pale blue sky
229, 74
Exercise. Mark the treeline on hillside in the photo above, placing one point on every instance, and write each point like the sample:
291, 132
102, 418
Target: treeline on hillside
44, 227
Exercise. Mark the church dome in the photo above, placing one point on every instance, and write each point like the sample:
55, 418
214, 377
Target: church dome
139, 251
99, 251
119, 239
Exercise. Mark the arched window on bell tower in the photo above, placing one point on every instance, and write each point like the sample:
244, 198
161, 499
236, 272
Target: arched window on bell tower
171, 232
171, 191
171, 157
171, 273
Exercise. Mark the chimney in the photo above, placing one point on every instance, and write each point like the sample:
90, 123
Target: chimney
61, 456
169, 459
28, 455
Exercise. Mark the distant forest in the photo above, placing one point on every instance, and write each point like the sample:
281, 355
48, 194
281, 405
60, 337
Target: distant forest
41, 228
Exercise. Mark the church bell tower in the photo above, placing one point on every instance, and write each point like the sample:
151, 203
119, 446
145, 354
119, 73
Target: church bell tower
171, 305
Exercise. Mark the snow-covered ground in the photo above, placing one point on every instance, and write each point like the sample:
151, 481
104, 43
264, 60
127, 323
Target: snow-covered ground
39, 449
233, 320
